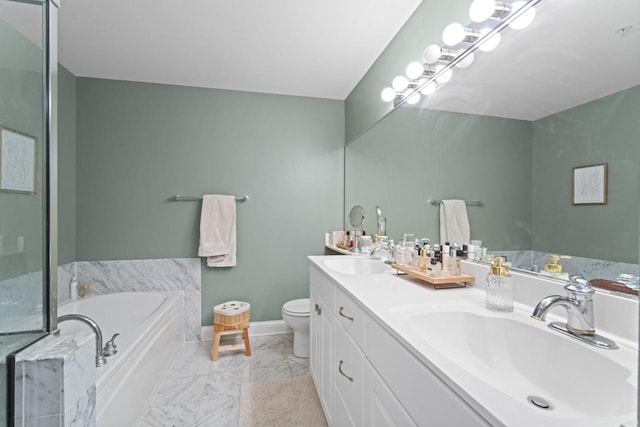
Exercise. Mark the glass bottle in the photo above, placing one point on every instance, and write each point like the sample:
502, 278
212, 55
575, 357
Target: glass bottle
499, 295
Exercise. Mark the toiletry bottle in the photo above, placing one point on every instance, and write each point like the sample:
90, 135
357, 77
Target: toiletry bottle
73, 288
446, 253
399, 254
499, 295
410, 255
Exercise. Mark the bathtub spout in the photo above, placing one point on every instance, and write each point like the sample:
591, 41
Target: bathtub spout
100, 359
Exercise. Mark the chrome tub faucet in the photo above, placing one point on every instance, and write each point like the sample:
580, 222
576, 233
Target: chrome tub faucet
100, 359
579, 306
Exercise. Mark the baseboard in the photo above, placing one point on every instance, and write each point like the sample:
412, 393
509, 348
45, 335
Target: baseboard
256, 329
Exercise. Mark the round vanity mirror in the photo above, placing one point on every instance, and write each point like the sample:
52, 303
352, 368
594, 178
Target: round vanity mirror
356, 219
356, 216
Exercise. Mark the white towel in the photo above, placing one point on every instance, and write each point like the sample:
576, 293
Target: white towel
454, 223
218, 230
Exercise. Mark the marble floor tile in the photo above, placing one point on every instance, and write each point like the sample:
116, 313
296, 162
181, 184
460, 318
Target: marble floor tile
198, 392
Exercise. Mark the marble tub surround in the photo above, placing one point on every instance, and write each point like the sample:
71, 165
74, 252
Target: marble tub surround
147, 275
55, 382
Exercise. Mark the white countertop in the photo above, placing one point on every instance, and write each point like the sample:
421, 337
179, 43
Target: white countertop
389, 298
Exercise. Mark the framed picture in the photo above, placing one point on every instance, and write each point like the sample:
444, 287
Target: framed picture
17, 161
590, 185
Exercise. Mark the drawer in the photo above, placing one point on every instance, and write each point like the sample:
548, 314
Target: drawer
349, 375
350, 316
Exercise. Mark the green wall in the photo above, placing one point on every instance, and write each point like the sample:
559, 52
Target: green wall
66, 166
602, 131
415, 155
138, 144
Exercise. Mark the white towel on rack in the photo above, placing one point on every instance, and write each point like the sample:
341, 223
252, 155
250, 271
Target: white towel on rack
454, 222
218, 230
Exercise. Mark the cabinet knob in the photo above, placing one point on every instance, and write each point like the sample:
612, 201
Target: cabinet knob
318, 309
344, 315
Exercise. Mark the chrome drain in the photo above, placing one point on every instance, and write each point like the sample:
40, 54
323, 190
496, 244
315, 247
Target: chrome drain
539, 402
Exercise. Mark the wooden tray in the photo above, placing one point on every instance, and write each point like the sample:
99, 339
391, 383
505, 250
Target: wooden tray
440, 280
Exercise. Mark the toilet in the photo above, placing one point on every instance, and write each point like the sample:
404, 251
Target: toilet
295, 313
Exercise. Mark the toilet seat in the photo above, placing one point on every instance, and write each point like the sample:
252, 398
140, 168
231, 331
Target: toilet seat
297, 308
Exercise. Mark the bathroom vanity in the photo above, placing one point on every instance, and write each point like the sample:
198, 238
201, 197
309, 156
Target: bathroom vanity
391, 350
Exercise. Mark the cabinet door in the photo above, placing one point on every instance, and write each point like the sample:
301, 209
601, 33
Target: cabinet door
349, 374
322, 325
381, 407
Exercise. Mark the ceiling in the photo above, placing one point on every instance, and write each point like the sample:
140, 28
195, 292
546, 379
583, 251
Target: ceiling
304, 48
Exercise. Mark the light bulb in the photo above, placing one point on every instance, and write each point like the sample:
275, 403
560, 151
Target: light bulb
467, 61
444, 77
400, 83
431, 54
414, 99
481, 10
414, 70
523, 20
388, 94
428, 89
453, 34
491, 43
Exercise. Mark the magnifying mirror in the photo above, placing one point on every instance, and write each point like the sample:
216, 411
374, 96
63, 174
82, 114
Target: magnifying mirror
356, 219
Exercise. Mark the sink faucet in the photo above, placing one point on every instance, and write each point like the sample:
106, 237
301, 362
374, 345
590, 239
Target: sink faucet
387, 251
100, 359
579, 305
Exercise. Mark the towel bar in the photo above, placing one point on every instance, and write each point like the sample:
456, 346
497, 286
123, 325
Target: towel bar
466, 202
180, 198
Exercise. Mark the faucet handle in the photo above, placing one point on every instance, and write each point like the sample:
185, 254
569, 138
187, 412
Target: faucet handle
110, 347
578, 285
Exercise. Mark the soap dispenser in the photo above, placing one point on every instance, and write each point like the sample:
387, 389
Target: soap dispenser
554, 269
499, 295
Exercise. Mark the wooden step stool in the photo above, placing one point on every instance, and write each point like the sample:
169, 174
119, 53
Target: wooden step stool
231, 317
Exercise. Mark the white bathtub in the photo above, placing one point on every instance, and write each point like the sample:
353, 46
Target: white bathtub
151, 328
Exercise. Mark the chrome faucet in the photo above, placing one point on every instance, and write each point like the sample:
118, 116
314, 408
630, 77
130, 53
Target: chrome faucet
100, 359
579, 306
387, 251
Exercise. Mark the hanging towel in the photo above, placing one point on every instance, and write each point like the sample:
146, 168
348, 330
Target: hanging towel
454, 223
218, 230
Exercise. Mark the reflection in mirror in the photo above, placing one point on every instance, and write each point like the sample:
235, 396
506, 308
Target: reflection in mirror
356, 219
509, 130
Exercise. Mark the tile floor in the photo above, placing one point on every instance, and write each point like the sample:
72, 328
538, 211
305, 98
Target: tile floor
198, 392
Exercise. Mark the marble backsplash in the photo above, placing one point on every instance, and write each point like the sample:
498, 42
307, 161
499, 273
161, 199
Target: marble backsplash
148, 275
587, 267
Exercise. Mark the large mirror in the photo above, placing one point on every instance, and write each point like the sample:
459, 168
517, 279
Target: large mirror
509, 131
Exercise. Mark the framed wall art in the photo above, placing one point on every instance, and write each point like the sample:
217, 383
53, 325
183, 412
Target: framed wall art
17, 161
590, 185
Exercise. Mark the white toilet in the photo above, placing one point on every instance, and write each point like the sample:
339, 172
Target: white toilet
296, 314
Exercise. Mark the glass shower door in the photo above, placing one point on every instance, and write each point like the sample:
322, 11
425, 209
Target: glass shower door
23, 183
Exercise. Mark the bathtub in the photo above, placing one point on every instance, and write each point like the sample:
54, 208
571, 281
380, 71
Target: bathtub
151, 329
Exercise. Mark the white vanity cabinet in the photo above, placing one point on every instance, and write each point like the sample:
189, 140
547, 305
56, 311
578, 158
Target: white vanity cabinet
365, 377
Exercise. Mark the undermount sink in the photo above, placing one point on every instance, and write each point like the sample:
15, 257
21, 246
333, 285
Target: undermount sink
353, 266
523, 358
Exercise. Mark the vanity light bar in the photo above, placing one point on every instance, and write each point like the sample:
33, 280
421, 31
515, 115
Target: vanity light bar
408, 90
